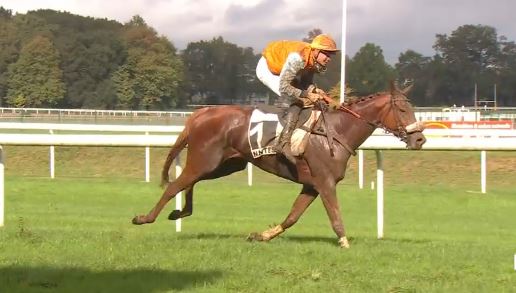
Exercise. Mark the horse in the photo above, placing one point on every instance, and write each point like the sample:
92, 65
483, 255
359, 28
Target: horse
218, 145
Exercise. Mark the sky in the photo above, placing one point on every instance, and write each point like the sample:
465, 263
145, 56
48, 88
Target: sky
394, 25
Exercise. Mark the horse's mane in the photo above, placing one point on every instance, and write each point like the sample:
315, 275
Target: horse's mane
351, 100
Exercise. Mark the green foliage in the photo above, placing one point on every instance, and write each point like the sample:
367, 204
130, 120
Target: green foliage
124, 88
108, 65
413, 66
8, 47
312, 34
368, 71
91, 50
152, 72
35, 80
471, 54
220, 71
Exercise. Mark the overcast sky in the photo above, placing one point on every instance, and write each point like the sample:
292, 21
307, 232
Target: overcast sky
394, 25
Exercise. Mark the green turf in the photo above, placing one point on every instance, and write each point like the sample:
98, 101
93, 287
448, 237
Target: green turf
73, 233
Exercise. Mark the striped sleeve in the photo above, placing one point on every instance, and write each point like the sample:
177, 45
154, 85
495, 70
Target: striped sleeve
292, 66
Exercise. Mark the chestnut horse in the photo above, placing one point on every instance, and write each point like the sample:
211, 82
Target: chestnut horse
218, 146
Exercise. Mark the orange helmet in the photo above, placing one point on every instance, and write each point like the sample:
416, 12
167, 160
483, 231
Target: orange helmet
324, 42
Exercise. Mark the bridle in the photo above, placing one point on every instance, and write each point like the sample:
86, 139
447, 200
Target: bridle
402, 131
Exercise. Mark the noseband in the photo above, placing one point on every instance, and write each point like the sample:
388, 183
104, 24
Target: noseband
402, 131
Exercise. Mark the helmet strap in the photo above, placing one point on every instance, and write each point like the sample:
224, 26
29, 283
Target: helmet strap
318, 66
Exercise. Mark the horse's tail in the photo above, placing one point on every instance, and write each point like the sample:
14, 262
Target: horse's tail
179, 145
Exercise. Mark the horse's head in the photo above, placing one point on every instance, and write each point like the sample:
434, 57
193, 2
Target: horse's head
397, 116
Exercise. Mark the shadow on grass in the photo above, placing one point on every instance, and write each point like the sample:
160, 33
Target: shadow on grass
27, 279
307, 239
294, 238
214, 236
310, 239
408, 240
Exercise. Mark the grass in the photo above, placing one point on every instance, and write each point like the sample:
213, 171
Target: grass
73, 233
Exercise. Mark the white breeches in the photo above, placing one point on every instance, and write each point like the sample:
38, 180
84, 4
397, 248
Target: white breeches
267, 77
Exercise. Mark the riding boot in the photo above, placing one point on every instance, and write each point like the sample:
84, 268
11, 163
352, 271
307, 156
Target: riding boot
283, 143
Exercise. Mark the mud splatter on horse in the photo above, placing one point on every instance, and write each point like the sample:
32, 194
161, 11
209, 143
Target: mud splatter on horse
218, 145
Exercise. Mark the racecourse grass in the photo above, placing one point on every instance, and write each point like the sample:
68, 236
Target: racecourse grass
73, 233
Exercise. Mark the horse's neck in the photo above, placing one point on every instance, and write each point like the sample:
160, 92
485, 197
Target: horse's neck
355, 130
369, 110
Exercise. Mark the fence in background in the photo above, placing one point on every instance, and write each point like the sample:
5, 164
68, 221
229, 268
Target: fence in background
438, 139
179, 117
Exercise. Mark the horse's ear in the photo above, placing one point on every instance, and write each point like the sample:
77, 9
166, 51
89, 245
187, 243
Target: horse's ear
406, 90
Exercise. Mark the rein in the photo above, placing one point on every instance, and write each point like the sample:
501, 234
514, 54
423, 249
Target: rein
400, 132
358, 116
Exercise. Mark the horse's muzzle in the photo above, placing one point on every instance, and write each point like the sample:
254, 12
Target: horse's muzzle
415, 140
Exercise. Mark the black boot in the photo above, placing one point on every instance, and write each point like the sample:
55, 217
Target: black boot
283, 143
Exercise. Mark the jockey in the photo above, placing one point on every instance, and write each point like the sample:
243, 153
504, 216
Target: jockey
288, 68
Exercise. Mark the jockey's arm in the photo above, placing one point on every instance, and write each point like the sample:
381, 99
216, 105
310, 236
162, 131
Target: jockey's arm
325, 96
293, 65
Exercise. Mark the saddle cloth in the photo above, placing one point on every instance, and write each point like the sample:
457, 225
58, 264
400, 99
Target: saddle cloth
264, 130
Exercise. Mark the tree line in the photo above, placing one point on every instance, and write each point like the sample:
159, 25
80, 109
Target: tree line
57, 59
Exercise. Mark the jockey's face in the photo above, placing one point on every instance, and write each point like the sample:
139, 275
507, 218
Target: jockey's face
323, 57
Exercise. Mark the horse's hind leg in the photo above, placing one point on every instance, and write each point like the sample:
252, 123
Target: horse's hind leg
185, 180
303, 201
229, 166
187, 209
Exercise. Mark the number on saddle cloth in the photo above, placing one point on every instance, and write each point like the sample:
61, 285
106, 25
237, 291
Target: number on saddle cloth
264, 127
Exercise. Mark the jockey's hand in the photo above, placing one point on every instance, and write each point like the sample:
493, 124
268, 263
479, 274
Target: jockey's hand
320, 92
322, 105
323, 94
314, 97
331, 102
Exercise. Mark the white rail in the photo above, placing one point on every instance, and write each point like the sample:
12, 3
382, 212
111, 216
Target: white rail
438, 139
90, 127
123, 140
93, 112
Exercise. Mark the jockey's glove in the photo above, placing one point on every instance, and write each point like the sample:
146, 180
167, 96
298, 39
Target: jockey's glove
314, 97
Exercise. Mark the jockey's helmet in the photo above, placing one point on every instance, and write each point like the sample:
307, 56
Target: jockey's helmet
324, 42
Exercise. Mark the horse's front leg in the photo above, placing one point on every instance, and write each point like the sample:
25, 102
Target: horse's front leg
303, 200
331, 204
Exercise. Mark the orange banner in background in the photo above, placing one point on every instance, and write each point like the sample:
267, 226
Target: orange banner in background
500, 124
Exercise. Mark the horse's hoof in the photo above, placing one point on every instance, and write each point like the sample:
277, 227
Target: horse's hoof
138, 220
174, 215
343, 242
254, 237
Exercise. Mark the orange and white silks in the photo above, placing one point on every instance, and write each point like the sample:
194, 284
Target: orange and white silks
276, 54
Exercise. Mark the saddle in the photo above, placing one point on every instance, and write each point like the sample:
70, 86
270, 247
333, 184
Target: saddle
304, 115
265, 125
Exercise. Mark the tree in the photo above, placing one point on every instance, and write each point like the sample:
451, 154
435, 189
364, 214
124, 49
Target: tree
35, 80
90, 51
8, 47
471, 55
220, 72
124, 88
312, 34
152, 72
507, 74
368, 71
412, 68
